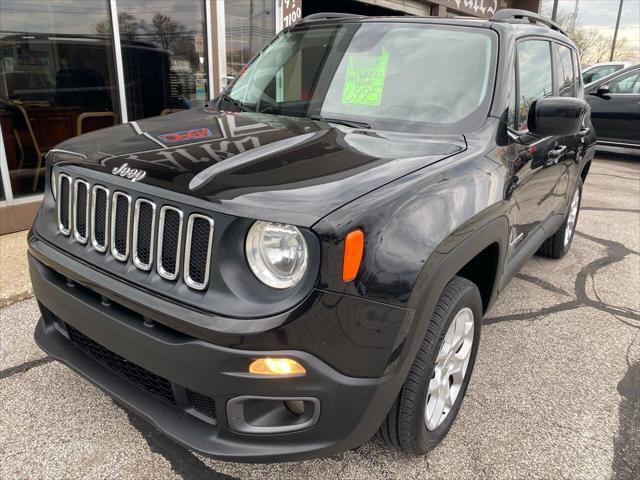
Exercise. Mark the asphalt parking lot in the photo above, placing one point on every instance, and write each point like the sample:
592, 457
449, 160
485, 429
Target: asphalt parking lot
555, 392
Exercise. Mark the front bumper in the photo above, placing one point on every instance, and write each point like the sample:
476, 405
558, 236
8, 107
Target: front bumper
350, 408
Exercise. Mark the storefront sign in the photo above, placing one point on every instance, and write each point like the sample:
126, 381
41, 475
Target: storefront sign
479, 8
291, 12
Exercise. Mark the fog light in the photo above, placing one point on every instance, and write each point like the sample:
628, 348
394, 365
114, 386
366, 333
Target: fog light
295, 406
276, 366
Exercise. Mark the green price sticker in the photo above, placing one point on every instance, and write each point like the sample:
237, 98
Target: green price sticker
365, 79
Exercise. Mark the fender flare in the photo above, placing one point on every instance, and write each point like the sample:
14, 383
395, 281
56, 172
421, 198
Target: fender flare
432, 281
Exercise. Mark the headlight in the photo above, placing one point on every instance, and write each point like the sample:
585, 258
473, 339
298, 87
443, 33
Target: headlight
277, 254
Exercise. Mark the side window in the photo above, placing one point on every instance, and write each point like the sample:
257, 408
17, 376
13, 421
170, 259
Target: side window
564, 69
534, 76
576, 73
627, 83
597, 73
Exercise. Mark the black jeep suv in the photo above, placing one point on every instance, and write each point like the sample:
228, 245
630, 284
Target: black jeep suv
307, 259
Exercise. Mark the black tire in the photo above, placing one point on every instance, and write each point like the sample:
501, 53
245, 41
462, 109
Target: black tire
555, 246
404, 427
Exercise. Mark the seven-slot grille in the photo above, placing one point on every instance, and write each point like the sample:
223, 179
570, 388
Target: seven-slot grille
115, 223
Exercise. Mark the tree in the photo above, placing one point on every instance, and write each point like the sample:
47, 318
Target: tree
165, 30
129, 26
595, 47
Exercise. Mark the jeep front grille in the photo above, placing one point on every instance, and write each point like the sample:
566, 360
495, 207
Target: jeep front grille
169, 238
137, 230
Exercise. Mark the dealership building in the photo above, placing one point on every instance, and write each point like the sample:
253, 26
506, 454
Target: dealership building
66, 67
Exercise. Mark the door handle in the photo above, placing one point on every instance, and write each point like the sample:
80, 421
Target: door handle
555, 154
584, 132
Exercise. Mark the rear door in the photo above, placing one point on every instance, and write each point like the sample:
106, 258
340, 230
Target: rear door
534, 187
616, 115
567, 85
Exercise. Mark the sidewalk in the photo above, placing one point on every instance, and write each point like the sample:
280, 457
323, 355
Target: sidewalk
15, 284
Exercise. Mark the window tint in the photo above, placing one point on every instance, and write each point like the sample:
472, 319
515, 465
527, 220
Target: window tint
627, 83
534, 76
564, 69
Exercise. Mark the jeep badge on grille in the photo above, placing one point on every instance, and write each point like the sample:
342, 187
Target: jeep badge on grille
126, 171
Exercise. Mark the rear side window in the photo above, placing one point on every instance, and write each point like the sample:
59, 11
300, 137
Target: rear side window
564, 69
535, 79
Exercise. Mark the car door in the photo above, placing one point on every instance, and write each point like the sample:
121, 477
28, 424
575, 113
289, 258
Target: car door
533, 188
616, 114
568, 85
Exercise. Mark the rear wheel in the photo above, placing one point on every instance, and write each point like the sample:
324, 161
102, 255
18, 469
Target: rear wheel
431, 396
559, 243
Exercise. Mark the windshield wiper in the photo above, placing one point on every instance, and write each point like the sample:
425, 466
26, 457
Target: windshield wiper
226, 97
341, 121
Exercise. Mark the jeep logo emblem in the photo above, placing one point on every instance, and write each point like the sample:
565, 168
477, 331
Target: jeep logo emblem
132, 174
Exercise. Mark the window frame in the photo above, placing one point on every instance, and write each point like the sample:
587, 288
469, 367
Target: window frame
554, 75
517, 73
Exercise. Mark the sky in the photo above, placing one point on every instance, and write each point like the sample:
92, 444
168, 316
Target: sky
602, 14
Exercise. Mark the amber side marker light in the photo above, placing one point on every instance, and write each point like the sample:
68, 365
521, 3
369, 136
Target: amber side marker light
353, 247
276, 366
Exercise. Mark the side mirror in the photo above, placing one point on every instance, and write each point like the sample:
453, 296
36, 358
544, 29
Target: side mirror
603, 90
556, 116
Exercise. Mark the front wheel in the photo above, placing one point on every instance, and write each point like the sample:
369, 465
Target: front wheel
431, 396
559, 243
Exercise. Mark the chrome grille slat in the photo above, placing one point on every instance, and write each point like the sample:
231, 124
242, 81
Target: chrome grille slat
197, 255
112, 222
64, 204
144, 223
80, 210
120, 225
99, 217
169, 242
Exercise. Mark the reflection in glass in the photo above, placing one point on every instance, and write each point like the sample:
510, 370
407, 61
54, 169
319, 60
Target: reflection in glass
362, 72
249, 26
57, 80
164, 55
534, 72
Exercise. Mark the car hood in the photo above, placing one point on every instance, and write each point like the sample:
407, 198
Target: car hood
268, 167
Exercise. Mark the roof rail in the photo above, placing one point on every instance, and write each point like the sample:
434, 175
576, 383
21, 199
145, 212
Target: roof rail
507, 14
328, 16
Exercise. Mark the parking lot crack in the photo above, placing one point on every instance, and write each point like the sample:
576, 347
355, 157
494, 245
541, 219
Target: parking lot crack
183, 462
23, 367
615, 252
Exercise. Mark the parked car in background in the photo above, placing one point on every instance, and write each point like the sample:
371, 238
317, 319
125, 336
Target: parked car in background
595, 72
615, 108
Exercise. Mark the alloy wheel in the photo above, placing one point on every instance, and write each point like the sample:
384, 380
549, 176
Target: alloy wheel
450, 369
571, 219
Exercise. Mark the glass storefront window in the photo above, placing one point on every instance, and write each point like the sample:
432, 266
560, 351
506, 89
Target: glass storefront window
249, 26
164, 53
57, 80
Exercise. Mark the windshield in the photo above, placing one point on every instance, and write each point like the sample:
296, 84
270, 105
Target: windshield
394, 76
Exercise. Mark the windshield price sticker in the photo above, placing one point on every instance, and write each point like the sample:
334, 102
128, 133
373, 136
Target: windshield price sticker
365, 79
